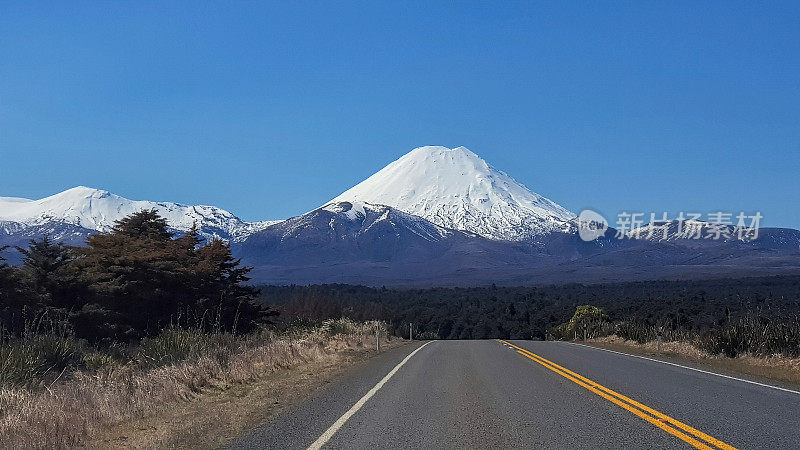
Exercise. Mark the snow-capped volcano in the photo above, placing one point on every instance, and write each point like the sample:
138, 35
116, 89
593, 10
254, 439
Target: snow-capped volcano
436, 215
97, 210
455, 188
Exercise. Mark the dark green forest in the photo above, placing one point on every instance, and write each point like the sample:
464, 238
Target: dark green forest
535, 311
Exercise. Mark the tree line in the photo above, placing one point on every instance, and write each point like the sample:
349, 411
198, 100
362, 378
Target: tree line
127, 284
535, 312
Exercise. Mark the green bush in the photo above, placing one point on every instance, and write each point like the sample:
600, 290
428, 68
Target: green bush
339, 326
130, 283
588, 320
32, 359
95, 361
174, 345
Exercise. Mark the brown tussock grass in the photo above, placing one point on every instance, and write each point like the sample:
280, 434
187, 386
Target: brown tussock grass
773, 368
71, 413
219, 416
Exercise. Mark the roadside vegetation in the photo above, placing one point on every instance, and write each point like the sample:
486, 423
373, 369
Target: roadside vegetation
749, 335
751, 345
44, 407
131, 325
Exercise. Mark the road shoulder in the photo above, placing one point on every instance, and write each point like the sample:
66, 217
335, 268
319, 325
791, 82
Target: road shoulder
219, 416
294, 428
778, 371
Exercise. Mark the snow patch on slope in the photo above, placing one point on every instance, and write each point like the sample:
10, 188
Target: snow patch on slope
370, 215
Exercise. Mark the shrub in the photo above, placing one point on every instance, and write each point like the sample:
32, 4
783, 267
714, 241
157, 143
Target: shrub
340, 326
29, 360
758, 336
426, 336
98, 361
636, 331
174, 345
587, 321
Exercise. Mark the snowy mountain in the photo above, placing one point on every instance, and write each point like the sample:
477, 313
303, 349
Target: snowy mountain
85, 208
455, 188
365, 243
436, 216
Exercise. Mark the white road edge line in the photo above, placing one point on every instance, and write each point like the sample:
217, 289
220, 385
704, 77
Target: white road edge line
328, 434
689, 368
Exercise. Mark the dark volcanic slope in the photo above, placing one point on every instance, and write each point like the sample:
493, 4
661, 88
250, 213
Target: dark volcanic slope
375, 244
366, 243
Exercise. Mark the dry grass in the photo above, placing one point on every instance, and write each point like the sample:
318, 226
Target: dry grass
73, 412
220, 415
775, 367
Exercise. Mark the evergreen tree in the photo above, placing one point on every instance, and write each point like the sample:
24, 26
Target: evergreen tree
145, 224
46, 270
14, 299
191, 239
222, 289
143, 280
137, 273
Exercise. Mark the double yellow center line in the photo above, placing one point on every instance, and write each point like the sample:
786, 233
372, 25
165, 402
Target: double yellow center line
672, 426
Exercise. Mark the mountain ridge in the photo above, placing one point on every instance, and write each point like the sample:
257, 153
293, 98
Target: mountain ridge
434, 216
97, 209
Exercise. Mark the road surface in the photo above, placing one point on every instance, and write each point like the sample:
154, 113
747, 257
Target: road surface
529, 394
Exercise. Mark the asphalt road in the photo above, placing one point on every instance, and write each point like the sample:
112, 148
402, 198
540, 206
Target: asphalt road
492, 394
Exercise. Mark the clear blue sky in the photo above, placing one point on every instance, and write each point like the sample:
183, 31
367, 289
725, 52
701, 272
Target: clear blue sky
271, 109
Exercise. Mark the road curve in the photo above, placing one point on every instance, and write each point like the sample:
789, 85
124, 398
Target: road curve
529, 394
